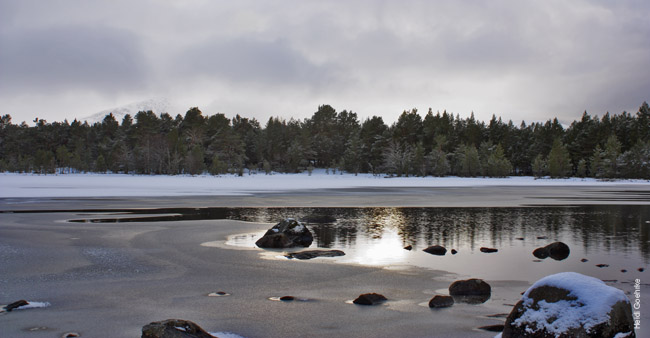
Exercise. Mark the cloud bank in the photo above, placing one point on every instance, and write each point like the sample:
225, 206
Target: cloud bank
523, 60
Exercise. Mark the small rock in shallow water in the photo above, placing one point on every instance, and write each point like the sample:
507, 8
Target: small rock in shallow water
488, 250
218, 294
542, 237
519, 238
641, 269
287, 298
623, 271
540, 253
174, 328
70, 335
471, 291
408, 247
602, 265
370, 299
454, 251
436, 250
584, 260
16, 305
440, 301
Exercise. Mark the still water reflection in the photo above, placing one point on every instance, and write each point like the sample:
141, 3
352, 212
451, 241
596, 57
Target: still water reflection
616, 235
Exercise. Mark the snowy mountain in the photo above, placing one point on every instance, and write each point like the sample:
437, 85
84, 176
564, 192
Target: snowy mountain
158, 106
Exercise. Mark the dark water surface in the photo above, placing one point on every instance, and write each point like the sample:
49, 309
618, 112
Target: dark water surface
614, 235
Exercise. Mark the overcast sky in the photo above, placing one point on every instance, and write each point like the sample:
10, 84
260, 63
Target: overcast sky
522, 60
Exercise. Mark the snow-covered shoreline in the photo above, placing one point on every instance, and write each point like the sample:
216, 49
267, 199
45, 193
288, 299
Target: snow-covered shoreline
106, 185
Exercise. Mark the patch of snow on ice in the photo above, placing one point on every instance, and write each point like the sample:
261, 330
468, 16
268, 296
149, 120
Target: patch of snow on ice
33, 305
180, 328
594, 301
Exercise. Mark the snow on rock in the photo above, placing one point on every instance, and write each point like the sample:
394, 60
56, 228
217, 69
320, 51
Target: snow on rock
570, 304
288, 233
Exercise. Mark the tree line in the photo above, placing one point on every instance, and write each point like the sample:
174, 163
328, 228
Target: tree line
438, 144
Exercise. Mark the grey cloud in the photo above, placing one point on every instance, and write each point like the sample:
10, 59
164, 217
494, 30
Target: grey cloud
55, 59
248, 60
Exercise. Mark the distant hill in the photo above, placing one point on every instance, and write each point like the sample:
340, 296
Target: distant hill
158, 106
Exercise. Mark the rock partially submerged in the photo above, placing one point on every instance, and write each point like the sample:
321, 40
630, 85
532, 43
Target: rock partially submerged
16, 305
473, 291
288, 233
440, 301
309, 254
557, 250
370, 299
436, 250
488, 250
569, 304
174, 328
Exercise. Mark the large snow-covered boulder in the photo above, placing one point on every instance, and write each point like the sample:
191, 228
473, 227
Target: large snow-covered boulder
569, 304
288, 233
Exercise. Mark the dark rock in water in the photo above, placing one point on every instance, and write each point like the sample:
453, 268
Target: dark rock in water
623, 271
470, 287
319, 219
287, 298
408, 247
570, 305
70, 335
542, 237
440, 301
602, 265
174, 328
492, 328
16, 305
436, 250
540, 253
556, 250
641, 269
287, 234
471, 291
309, 254
519, 238
584, 260
488, 250
370, 299
453, 251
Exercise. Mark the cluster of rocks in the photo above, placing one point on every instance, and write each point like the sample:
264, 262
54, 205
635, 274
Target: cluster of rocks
440, 250
557, 251
529, 317
472, 291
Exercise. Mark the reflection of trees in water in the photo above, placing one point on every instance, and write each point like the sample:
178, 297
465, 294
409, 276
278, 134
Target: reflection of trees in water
620, 228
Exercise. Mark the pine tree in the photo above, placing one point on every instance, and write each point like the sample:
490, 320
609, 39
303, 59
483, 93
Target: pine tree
539, 166
581, 170
559, 162
610, 157
498, 165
